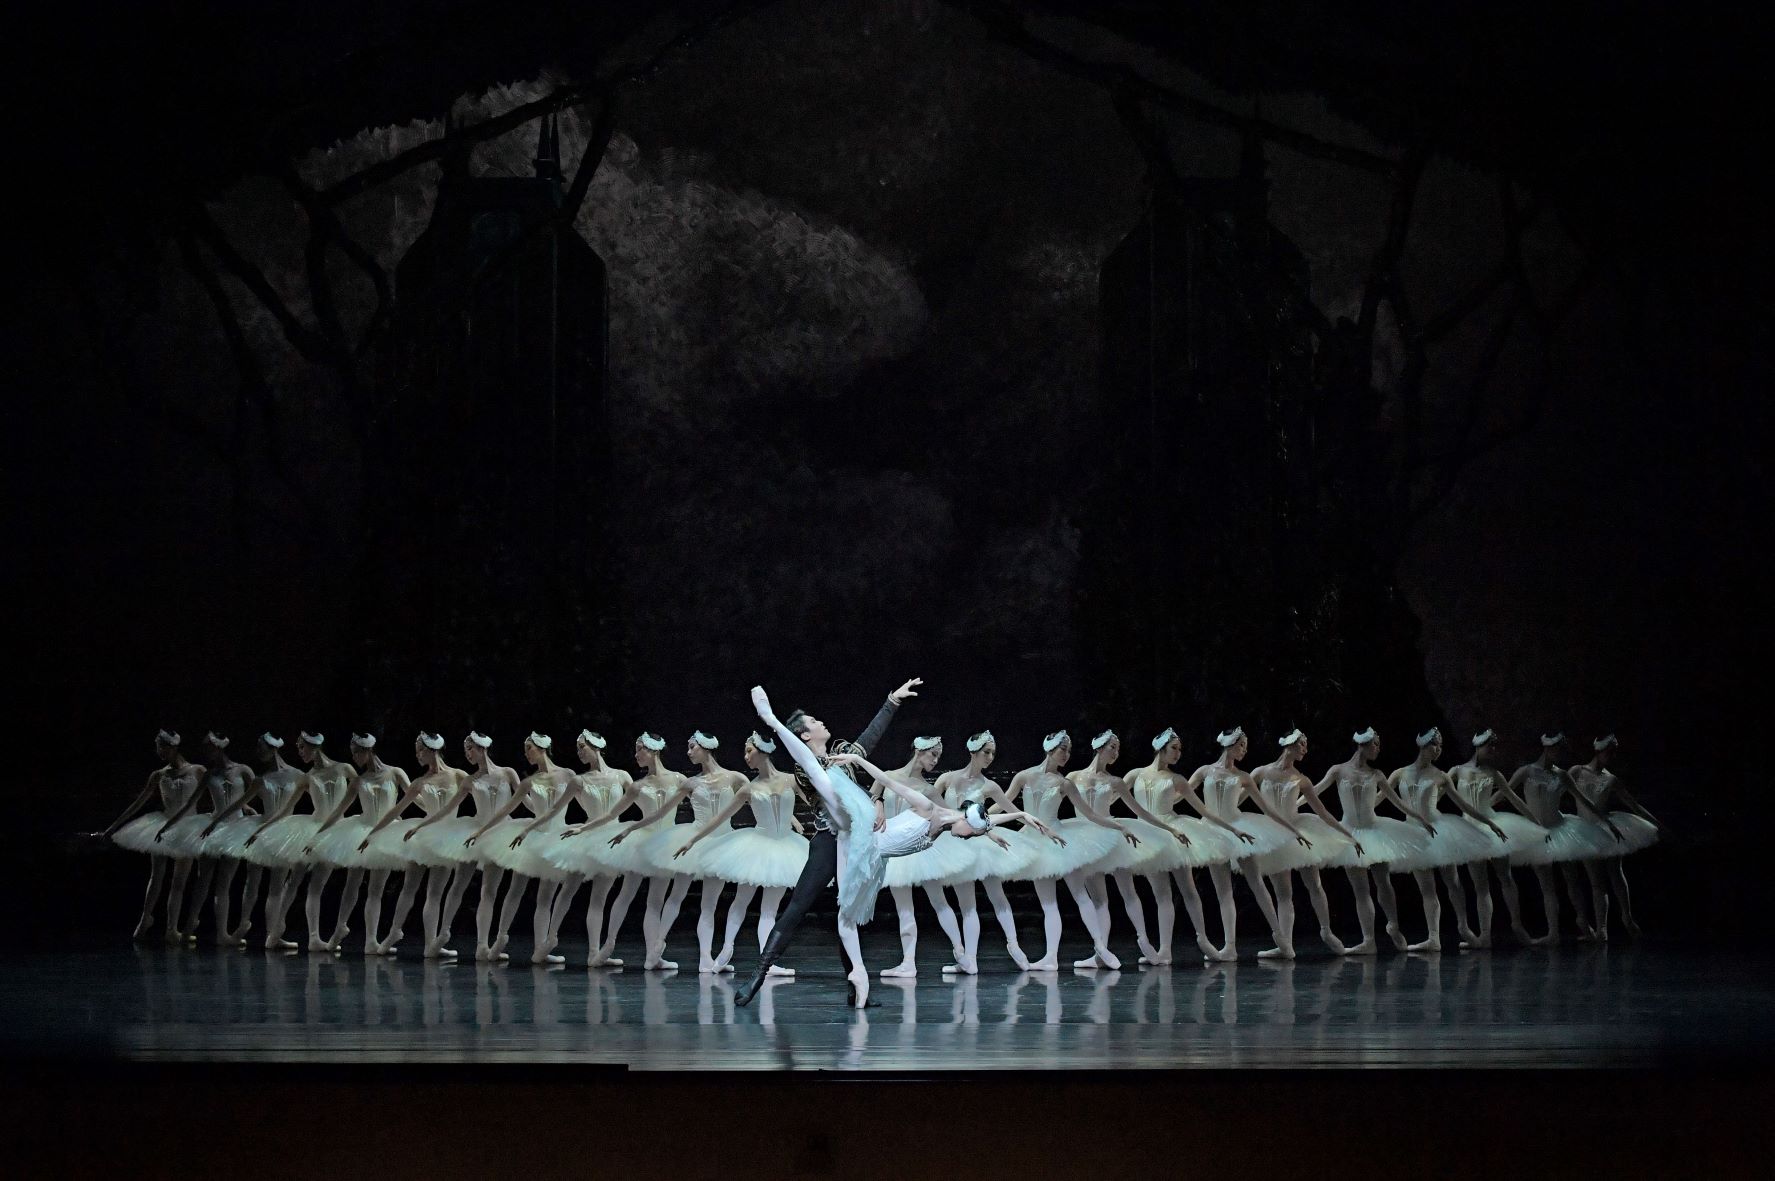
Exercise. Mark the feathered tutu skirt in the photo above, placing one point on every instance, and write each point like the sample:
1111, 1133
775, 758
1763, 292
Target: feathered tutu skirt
588, 854
231, 835
863, 869
748, 857
1571, 838
1328, 845
1383, 842
138, 837
267, 851
286, 841
1521, 835
185, 837
1636, 831
338, 846
446, 841
635, 854
948, 857
1458, 841
393, 841
662, 849
1086, 845
531, 857
988, 860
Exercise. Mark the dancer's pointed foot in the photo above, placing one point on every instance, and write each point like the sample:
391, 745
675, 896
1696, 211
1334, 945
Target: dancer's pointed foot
540, 958
724, 960
483, 954
317, 944
1546, 940
273, 943
499, 947
1476, 943
1522, 936
905, 970
968, 965
1148, 953
777, 970
659, 964
143, 929
175, 939
1017, 957
1088, 963
707, 966
744, 994
1208, 950
1432, 944
1632, 927
239, 934
1397, 936
1048, 964
860, 989
1332, 941
226, 941
1366, 947
1107, 959
1221, 955
1161, 960
1276, 953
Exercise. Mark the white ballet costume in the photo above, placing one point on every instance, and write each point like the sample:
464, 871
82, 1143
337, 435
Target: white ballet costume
987, 861
863, 869
585, 856
393, 841
948, 856
530, 857
288, 838
1575, 838
448, 839
1209, 844
769, 854
1384, 840
1458, 841
1220, 799
1636, 831
186, 833
338, 846
706, 803
1289, 799
174, 789
275, 791
1086, 843
633, 855
1479, 792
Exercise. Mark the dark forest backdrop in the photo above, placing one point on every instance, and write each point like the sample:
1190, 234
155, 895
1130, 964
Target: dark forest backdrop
390, 365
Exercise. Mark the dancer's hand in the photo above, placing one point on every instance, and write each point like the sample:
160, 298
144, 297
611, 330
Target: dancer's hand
363, 844
516, 841
1245, 836
308, 850
796, 826
408, 835
761, 703
847, 759
880, 817
682, 852
1300, 838
1178, 833
899, 696
573, 832
1358, 845
1132, 839
470, 843
999, 841
619, 838
158, 833
1498, 832
1617, 833
1431, 829
250, 841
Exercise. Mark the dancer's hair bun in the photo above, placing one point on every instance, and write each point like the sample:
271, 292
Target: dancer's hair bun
979, 740
1292, 737
1364, 737
1102, 740
652, 742
1052, 742
925, 742
706, 741
431, 741
1164, 738
1230, 738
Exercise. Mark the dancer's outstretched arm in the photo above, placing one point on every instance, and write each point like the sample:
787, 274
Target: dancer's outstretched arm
915, 799
520, 798
669, 807
409, 792
141, 801
717, 821
253, 791
1390, 793
1310, 793
457, 795
1446, 786
804, 758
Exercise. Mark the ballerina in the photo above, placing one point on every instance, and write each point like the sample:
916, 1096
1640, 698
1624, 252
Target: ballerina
1454, 840
1378, 840
712, 792
1086, 839
538, 791
768, 856
287, 834
1290, 792
446, 832
175, 782
437, 785
928, 868
1162, 846
866, 849
342, 841
658, 791
231, 833
995, 860
1479, 784
225, 781
597, 790
1543, 786
1638, 828
1211, 841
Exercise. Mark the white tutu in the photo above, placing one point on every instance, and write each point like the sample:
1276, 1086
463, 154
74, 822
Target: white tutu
529, 858
185, 837
987, 860
267, 851
1638, 833
339, 846
587, 855
666, 840
1267, 836
231, 836
747, 857
444, 841
948, 857
634, 855
864, 865
1522, 835
393, 841
1574, 838
1086, 844
286, 840
1328, 844
1458, 841
138, 837
1383, 843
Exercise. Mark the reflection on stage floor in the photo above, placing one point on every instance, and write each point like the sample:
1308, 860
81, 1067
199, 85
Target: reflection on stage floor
1652, 1004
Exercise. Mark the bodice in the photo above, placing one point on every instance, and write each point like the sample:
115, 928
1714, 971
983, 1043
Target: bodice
1476, 785
707, 800
432, 797
176, 786
1418, 789
326, 786
1220, 794
599, 794
971, 791
1284, 795
1541, 789
489, 794
1097, 794
377, 796
1156, 793
1356, 794
1042, 796
226, 786
772, 810
1596, 786
653, 796
905, 834
276, 788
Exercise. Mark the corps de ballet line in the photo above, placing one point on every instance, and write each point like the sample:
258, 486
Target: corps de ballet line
218, 820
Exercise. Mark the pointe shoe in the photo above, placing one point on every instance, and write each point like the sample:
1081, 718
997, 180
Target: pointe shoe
1431, 945
777, 971
707, 967
859, 998
317, 944
1331, 941
1088, 963
541, 958
1048, 965
1018, 958
906, 970
1366, 947
1276, 953
143, 930
1397, 936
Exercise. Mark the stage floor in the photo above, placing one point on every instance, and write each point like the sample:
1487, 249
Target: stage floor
1655, 1004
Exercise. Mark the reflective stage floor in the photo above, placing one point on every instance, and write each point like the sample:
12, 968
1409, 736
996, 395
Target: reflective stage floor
1651, 1005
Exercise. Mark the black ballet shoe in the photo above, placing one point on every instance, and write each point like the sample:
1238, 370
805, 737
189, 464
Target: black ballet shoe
744, 995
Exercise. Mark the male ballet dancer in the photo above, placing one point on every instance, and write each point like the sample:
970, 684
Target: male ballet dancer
822, 846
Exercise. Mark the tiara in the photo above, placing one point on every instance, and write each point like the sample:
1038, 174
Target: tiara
1364, 737
1292, 737
760, 742
926, 743
271, 740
